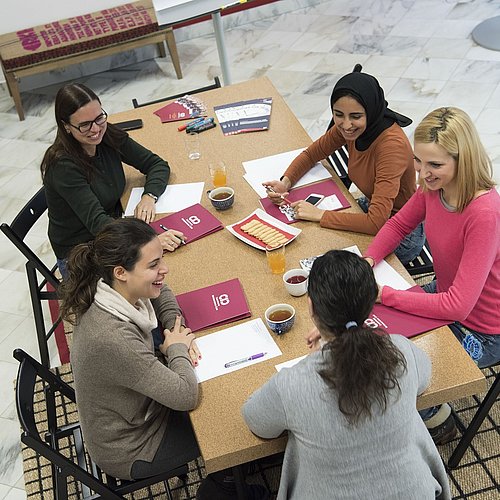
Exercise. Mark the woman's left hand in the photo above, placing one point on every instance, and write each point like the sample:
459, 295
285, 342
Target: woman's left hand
145, 209
379, 295
306, 211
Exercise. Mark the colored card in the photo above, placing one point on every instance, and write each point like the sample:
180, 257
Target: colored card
194, 221
334, 199
214, 305
400, 322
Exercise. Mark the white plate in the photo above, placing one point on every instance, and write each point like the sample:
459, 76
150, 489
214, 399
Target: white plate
268, 219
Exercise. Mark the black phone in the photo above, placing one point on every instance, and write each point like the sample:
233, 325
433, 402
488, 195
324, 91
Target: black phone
314, 198
130, 124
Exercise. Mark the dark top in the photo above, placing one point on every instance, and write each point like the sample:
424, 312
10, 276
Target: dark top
78, 209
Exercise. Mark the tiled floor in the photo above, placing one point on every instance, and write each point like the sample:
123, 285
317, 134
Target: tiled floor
422, 53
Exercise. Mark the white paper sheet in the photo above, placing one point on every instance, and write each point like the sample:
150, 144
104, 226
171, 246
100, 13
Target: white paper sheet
385, 274
289, 363
272, 167
234, 343
330, 203
176, 197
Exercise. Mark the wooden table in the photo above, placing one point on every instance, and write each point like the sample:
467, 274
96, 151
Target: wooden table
223, 437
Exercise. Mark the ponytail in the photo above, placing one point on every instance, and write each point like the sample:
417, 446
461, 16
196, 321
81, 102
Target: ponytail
118, 243
78, 290
360, 364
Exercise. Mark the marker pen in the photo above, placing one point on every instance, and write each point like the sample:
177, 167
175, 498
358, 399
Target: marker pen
244, 360
204, 126
190, 124
194, 126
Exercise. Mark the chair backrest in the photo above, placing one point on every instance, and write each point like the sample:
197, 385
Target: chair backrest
20, 227
215, 85
423, 263
29, 374
39, 275
339, 160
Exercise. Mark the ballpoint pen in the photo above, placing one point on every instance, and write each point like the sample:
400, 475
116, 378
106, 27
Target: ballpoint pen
244, 360
166, 229
286, 200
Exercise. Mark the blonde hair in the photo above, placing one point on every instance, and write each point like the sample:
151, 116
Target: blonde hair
454, 131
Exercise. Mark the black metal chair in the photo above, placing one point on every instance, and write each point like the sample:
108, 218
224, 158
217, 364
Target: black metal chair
215, 85
339, 160
469, 432
421, 265
63, 445
39, 275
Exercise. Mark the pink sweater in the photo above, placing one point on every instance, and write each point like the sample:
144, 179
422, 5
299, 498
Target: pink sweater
466, 252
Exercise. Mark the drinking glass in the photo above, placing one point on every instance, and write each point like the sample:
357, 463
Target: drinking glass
218, 173
276, 258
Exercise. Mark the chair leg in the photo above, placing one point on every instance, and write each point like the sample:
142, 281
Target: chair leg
476, 422
13, 86
172, 48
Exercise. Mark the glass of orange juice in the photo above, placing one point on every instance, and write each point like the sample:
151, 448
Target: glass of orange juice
276, 258
218, 173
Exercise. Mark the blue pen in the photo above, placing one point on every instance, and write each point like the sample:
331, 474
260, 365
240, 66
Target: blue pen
202, 123
244, 360
166, 229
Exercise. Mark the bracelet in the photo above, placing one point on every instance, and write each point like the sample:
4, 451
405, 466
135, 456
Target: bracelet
152, 196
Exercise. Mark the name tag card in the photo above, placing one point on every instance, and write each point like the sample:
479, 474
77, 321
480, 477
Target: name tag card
194, 221
214, 305
402, 323
334, 199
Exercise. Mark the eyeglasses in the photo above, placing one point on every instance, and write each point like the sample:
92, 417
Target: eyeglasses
86, 126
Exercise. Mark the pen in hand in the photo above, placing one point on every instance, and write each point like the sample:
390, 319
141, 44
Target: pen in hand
271, 190
183, 242
244, 360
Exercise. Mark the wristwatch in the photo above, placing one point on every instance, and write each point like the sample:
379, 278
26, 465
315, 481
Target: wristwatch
152, 196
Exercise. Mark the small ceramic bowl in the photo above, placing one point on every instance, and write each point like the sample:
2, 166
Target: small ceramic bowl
296, 288
280, 326
224, 203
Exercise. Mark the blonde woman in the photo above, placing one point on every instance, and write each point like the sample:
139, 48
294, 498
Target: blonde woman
461, 209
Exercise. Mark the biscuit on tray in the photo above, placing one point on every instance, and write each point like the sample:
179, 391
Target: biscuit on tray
267, 234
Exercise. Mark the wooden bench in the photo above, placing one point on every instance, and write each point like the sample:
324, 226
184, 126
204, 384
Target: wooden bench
81, 39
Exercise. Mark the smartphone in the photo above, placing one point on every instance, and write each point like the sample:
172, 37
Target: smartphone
130, 125
314, 198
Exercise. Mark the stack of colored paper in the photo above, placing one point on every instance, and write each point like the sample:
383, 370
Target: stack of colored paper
184, 108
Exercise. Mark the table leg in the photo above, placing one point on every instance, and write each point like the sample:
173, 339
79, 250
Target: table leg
221, 47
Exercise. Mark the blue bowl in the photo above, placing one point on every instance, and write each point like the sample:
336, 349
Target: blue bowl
225, 203
280, 326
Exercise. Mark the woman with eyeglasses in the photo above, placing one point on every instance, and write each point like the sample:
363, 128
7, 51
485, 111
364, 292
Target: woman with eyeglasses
83, 175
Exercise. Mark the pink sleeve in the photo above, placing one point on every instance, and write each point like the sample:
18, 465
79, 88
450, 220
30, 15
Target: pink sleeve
397, 227
456, 303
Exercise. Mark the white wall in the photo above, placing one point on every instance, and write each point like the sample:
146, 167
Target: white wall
20, 14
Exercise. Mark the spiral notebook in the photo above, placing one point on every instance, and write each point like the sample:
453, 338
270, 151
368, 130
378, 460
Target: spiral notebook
194, 221
214, 305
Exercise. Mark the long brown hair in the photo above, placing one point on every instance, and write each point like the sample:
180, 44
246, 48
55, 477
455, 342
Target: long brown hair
454, 131
119, 243
360, 364
69, 99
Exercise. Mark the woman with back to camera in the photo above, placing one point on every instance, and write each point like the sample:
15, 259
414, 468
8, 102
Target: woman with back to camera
461, 209
350, 407
132, 406
380, 161
83, 175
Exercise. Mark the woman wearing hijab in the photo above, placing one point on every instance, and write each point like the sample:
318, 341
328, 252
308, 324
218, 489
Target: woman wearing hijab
380, 162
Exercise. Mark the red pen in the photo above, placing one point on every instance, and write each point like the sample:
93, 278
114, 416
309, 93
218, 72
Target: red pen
186, 125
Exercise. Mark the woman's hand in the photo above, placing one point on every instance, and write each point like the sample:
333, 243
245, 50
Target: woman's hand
178, 335
312, 339
370, 261
171, 239
306, 211
378, 300
280, 189
194, 354
145, 209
